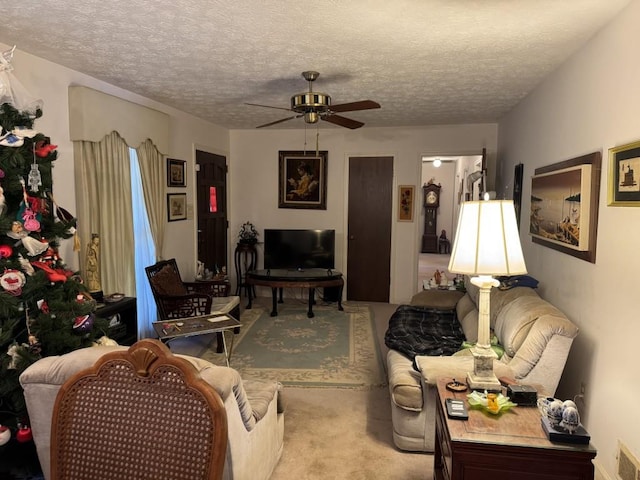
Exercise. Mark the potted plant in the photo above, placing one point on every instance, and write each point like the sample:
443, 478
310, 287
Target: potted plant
248, 234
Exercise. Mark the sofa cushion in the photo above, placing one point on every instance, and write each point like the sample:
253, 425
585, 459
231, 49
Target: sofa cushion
516, 318
438, 299
468, 318
499, 298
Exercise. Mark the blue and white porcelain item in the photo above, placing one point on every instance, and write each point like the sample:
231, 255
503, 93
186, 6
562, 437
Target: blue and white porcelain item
570, 419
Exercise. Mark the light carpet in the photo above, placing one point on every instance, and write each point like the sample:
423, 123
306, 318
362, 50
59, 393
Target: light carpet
332, 349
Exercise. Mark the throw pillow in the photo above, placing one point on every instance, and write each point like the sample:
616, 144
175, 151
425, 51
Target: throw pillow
168, 282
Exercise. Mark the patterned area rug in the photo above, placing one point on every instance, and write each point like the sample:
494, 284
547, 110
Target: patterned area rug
333, 349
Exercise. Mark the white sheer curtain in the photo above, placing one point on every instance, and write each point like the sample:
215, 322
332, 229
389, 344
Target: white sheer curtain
145, 252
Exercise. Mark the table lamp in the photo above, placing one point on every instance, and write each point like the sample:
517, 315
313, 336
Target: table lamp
487, 243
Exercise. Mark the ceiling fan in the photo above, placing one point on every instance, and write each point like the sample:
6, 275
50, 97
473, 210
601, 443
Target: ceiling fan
314, 106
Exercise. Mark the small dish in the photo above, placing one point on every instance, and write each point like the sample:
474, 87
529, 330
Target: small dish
479, 400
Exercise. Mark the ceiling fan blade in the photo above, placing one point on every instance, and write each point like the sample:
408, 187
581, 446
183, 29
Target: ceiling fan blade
353, 106
268, 106
342, 121
277, 121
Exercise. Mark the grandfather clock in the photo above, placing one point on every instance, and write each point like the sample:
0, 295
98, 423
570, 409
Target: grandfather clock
431, 203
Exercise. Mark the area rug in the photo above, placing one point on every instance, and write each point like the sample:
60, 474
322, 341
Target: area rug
332, 349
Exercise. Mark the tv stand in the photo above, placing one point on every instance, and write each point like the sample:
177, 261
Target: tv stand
278, 279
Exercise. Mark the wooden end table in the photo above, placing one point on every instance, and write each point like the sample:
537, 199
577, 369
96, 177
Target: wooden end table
512, 445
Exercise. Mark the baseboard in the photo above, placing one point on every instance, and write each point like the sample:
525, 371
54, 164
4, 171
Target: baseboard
599, 472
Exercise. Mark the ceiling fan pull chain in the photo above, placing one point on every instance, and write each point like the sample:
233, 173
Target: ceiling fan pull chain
318, 142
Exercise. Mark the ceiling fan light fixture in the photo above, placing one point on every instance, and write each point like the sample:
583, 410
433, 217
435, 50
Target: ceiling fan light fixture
311, 117
310, 101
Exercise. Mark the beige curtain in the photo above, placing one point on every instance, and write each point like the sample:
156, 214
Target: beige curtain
103, 182
152, 166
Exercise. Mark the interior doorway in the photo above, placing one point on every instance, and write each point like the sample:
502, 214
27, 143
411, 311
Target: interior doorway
211, 191
455, 174
369, 228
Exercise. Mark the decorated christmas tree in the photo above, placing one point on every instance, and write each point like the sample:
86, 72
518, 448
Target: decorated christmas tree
44, 307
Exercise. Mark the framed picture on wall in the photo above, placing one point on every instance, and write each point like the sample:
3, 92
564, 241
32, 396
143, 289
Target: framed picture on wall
176, 206
405, 203
564, 206
176, 175
302, 180
624, 176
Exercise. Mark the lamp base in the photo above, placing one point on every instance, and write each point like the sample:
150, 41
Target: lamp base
482, 377
490, 383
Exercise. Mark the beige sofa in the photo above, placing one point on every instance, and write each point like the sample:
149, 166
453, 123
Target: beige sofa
254, 416
536, 337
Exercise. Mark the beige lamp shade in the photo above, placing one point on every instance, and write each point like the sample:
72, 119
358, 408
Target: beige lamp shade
487, 240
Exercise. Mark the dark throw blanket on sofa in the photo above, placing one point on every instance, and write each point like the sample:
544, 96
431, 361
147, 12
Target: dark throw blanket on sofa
423, 331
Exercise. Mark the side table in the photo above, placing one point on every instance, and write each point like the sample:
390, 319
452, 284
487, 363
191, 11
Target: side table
511, 445
125, 327
245, 259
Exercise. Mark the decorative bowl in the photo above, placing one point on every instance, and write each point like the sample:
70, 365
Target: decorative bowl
479, 400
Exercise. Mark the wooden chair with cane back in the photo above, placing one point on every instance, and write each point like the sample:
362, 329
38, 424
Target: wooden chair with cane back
140, 413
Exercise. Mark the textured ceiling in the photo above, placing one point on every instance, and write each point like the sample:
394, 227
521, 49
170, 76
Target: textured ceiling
425, 61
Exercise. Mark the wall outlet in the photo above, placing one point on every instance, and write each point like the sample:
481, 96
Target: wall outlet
628, 465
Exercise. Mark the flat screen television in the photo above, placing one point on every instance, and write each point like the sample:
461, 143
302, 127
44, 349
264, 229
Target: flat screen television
299, 249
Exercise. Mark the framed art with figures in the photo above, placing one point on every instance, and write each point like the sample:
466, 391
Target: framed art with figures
302, 180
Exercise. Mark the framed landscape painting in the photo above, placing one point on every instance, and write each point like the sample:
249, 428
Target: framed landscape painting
302, 180
564, 206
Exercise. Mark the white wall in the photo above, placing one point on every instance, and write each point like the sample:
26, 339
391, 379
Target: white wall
590, 104
50, 82
254, 176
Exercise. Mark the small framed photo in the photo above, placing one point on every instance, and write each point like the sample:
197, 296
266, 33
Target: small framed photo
176, 173
302, 180
405, 203
177, 206
624, 175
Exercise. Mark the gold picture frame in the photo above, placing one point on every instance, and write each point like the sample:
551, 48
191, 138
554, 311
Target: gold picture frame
406, 196
624, 176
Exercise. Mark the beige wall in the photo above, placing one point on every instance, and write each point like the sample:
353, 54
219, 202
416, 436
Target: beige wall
254, 180
50, 82
590, 104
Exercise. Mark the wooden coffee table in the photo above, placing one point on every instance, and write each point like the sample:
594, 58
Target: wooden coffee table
311, 278
511, 445
168, 330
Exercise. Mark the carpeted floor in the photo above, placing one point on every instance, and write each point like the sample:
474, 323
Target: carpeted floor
334, 348
341, 433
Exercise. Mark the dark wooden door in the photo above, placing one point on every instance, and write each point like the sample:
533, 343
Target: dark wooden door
212, 209
369, 228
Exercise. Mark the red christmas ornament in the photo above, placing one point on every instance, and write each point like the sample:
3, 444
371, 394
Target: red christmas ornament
5, 251
23, 434
44, 150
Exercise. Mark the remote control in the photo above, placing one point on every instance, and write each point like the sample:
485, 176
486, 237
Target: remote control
456, 409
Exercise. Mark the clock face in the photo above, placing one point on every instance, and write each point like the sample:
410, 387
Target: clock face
431, 198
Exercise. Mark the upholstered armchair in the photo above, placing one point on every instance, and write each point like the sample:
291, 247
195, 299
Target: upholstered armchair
255, 418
